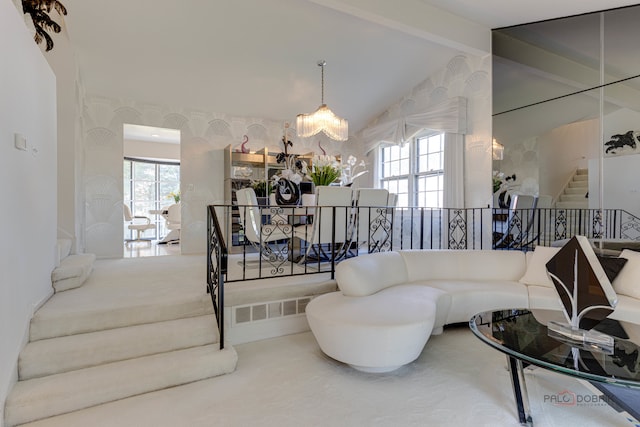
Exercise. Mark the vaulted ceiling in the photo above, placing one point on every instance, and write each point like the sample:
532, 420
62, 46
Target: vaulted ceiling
258, 58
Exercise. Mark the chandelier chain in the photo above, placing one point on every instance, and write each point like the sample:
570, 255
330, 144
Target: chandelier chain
322, 64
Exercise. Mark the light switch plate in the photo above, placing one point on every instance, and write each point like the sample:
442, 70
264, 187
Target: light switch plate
20, 142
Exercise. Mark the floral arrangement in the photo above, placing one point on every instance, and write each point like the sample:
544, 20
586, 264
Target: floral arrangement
500, 180
325, 170
350, 170
175, 195
286, 185
295, 170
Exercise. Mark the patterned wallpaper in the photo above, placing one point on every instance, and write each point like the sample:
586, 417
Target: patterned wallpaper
204, 135
467, 76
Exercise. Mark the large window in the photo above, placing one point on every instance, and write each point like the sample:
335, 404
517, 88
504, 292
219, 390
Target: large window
414, 171
148, 186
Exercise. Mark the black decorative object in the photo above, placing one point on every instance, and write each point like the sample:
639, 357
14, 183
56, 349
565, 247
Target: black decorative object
39, 11
619, 141
287, 192
585, 291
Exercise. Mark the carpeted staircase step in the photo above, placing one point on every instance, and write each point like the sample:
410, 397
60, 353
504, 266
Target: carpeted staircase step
573, 198
63, 354
582, 191
578, 184
49, 322
44, 397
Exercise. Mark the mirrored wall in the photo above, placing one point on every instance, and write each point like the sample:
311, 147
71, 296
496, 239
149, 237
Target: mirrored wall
566, 98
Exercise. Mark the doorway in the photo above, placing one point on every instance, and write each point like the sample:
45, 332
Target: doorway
151, 189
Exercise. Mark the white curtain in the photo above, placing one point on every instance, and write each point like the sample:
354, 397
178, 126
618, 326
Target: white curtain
453, 183
449, 116
453, 180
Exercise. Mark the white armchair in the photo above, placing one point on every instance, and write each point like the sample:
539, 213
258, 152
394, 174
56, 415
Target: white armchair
137, 223
173, 222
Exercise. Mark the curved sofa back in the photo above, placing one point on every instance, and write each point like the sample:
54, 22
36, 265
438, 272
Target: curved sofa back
464, 265
368, 274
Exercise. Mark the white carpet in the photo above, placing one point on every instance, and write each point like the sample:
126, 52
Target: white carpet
287, 381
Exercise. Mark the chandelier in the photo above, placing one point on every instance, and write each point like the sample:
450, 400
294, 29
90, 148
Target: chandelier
322, 120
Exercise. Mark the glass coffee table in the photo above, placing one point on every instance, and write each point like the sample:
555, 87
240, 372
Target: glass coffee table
522, 335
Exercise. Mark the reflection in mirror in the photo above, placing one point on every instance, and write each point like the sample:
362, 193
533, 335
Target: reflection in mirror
547, 108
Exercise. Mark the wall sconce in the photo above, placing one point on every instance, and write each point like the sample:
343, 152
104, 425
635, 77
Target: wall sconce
497, 150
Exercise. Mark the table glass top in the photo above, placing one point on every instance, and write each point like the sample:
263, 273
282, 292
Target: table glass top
522, 333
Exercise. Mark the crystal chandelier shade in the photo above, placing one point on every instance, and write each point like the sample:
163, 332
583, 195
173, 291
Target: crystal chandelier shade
322, 120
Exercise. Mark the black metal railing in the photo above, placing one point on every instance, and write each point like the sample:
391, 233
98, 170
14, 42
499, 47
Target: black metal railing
217, 262
284, 244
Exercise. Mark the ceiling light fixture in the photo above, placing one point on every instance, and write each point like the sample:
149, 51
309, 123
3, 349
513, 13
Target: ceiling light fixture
322, 120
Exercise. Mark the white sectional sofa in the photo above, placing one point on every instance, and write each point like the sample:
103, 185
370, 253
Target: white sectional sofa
390, 303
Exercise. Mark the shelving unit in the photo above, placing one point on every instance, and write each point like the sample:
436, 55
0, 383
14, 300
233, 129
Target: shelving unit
239, 170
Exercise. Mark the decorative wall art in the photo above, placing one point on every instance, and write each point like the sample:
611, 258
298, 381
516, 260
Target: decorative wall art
623, 143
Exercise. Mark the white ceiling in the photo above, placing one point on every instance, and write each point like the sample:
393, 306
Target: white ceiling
258, 58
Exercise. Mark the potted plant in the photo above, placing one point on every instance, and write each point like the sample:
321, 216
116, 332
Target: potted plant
325, 170
175, 195
262, 189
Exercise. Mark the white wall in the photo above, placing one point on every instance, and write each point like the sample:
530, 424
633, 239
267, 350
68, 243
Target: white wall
468, 76
28, 214
521, 159
62, 61
563, 150
203, 137
621, 184
150, 149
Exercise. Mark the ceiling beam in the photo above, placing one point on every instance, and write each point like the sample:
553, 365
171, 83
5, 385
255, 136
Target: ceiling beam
421, 20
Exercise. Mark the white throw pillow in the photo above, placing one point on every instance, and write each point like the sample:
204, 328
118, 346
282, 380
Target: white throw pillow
628, 280
536, 273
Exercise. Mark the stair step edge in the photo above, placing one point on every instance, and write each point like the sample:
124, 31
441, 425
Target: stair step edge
575, 190
63, 354
45, 397
51, 326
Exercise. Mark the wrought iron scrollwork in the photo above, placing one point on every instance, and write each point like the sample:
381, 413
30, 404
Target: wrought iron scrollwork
217, 259
457, 230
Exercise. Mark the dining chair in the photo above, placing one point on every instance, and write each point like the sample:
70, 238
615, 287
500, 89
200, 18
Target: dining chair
137, 223
270, 240
372, 226
328, 236
173, 221
516, 231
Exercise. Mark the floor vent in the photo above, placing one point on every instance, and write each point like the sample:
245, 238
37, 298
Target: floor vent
269, 310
